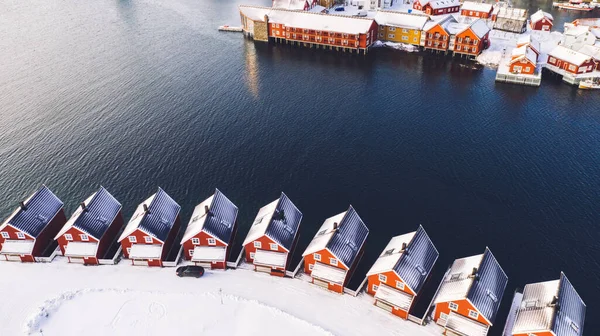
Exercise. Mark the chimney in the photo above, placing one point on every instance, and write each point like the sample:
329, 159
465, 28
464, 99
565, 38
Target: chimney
335, 226
23, 206
146, 210
554, 301
474, 271
83, 207
403, 247
206, 210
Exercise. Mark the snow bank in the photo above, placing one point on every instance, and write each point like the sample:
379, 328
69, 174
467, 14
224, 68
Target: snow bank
397, 46
502, 43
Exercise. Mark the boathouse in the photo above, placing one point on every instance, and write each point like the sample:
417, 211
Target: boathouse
29, 231
541, 20
511, 19
523, 60
401, 270
92, 229
594, 52
272, 236
208, 237
468, 39
437, 7
571, 61
476, 9
308, 29
400, 27
436, 36
334, 252
470, 294
548, 308
151, 231
294, 4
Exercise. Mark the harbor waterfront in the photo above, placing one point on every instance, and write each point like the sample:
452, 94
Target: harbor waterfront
135, 95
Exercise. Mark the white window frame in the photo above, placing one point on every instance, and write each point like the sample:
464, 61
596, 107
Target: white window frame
84, 237
444, 316
382, 278
375, 288
453, 306
473, 314
5, 235
273, 247
128, 251
191, 252
317, 257
405, 31
252, 255
196, 241
311, 266
20, 235
333, 262
257, 244
404, 38
147, 239
132, 239
400, 285
211, 241
391, 36
68, 236
392, 28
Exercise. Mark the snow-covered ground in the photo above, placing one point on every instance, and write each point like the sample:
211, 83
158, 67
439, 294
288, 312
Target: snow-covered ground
68, 299
396, 46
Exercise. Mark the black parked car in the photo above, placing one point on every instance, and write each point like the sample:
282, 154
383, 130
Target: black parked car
190, 271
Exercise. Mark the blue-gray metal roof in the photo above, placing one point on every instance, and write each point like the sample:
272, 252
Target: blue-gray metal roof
99, 214
349, 238
221, 218
40, 209
417, 260
570, 313
162, 214
488, 286
284, 223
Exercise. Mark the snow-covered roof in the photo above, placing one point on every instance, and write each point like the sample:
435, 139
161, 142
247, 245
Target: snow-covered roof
456, 27
569, 55
402, 20
591, 50
444, 22
270, 258
17, 247
309, 20
158, 220
391, 254
540, 14
393, 296
218, 222
439, 4
576, 30
457, 282
317, 9
289, 4
145, 251
512, 13
209, 253
101, 208
527, 39
324, 234
476, 6
488, 287
535, 312
278, 220
521, 52
81, 249
39, 210
479, 28
329, 273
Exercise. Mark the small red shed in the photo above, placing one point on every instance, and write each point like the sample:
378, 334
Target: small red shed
541, 20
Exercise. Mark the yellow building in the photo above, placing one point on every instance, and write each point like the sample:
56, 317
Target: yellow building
400, 27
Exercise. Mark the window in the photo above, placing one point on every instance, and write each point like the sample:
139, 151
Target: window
404, 38
196, 241
391, 36
252, 255
273, 247
191, 252
382, 278
211, 241
443, 316
375, 288
575, 327
445, 37
392, 28
333, 262
20, 235
475, 42
530, 304
84, 237
453, 306
527, 69
277, 33
148, 239
317, 257
474, 49
132, 239
492, 295
443, 45
552, 60
473, 314
429, 43
460, 40
405, 31
400, 285
311, 266
277, 25
257, 244
414, 39
381, 35
128, 250
572, 67
68, 236
6, 235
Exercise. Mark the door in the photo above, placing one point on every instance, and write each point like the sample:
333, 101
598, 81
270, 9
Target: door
140, 262
384, 306
263, 269
75, 260
10, 257
321, 283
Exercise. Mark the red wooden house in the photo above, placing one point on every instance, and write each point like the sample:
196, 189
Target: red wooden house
30, 229
469, 39
550, 308
436, 34
208, 237
523, 60
571, 61
401, 270
541, 20
151, 231
272, 236
334, 252
594, 52
470, 294
92, 229
476, 9
437, 7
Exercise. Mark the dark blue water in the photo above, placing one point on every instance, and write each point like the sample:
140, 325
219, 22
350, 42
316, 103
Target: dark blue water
134, 95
